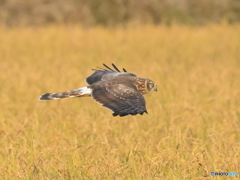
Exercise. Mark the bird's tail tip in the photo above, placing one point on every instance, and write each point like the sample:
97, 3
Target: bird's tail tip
47, 96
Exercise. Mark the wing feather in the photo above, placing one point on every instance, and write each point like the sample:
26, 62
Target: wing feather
122, 99
108, 67
108, 73
115, 67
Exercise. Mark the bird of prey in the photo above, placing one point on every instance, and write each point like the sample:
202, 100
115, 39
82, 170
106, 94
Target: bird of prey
122, 92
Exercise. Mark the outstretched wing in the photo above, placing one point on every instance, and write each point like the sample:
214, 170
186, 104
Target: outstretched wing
100, 73
122, 99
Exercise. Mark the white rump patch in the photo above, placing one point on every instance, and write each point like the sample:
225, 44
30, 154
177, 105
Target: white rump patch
85, 91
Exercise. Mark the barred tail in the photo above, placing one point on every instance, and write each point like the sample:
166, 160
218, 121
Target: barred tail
80, 92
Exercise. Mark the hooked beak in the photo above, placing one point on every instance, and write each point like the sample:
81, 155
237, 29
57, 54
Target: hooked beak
155, 89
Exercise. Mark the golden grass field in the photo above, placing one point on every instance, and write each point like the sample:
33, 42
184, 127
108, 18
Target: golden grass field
193, 125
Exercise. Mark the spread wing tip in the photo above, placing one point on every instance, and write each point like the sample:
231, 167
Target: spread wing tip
108, 67
125, 114
115, 68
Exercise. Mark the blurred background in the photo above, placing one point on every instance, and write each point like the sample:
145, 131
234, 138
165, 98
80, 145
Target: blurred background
117, 12
190, 48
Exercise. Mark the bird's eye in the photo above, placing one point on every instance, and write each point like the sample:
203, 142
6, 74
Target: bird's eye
151, 84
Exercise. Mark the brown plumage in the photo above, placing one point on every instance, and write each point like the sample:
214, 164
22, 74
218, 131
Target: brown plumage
122, 92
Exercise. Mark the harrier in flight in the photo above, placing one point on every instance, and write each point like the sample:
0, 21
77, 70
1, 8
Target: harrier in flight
122, 92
